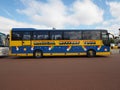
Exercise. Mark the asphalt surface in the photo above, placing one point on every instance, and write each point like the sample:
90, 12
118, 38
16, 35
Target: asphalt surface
60, 73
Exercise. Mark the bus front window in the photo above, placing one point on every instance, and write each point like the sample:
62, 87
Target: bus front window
105, 38
2, 42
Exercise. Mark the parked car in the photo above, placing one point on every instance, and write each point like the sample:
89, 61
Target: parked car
113, 46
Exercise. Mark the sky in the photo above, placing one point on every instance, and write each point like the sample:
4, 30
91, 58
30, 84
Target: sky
60, 14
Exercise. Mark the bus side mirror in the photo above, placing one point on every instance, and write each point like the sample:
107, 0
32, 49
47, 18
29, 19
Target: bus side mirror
107, 33
111, 34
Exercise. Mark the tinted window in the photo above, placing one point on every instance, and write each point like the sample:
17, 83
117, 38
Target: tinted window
26, 35
105, 38
1, 41
104, 35
91, 35
16, 36
40, 35
56, 35
72, 35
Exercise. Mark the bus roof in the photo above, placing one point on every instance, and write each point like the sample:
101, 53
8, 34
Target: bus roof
23, 29
33, 29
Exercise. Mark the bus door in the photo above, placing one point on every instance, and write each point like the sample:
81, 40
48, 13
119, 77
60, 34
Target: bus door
105, 38
26, 41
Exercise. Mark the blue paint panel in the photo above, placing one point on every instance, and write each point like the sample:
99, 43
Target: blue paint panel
96, 48
91, 47
21, 49
104, 47
76, 49
57, 49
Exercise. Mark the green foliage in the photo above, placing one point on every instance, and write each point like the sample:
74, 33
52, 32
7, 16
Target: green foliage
112, 40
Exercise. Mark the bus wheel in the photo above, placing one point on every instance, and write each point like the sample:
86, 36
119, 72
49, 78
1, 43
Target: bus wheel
38, 54
91, 53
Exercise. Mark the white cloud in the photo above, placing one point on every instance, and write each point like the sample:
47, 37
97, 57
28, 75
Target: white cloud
115, 9
54, 13
86, 12
51, 13
112, 28
7, 24
113, 24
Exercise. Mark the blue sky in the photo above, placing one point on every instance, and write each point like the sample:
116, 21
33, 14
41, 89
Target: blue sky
78, 14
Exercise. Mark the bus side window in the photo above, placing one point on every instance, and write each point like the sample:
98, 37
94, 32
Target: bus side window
72, 35
26, 36
66, 35
40, 35
57, 35
91, 35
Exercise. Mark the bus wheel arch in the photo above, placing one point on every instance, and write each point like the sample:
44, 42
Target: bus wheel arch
91, 53
38, 53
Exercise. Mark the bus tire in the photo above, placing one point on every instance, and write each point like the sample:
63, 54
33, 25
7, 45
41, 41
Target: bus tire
38, 54
91, 53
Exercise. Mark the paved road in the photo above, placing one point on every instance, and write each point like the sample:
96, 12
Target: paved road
65, 73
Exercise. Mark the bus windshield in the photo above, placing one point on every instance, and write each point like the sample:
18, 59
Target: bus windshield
1, 43
105, 38
3, 40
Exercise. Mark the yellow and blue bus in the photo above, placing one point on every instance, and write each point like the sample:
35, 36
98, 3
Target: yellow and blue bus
57, 42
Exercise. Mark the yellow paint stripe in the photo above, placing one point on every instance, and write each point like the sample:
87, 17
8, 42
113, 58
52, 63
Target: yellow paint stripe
72, 53
83, 54
21, 54
61, 54
29, 54
46, 54
103, 53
